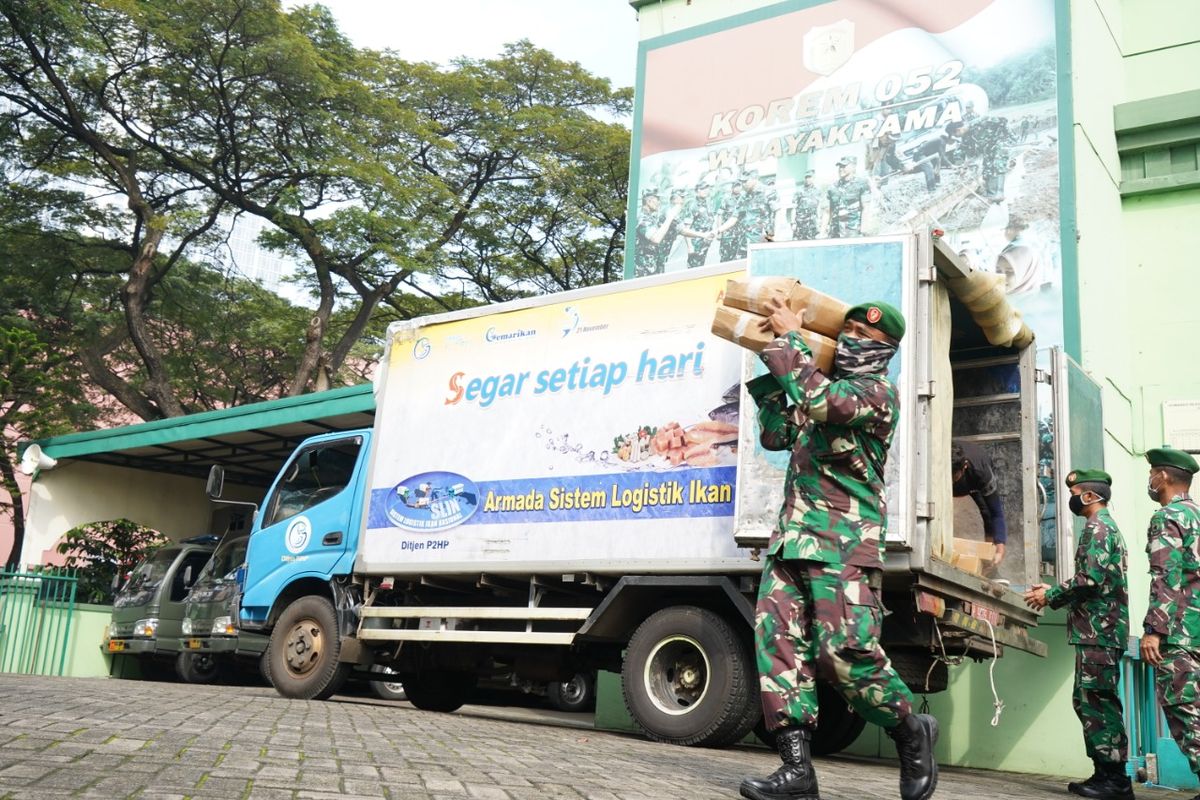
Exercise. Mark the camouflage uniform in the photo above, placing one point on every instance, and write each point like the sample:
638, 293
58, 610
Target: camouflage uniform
1173, 545
991, 142
1098, 626
650, 258
818, 613
806, 211
701, 218
756, 218
846, 207
735, 237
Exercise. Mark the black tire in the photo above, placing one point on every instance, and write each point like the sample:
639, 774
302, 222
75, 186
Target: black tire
391, 689
837, 724
913, 666
438, 691
304, 649
689, 679
264, 667
577, 694
197, 667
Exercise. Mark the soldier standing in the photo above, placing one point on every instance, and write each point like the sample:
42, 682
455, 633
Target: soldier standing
731, 231
1098, 625
806, 208
754, 214
654, 236
699, 219
846, 198
993, 136
1171, 643
818, 613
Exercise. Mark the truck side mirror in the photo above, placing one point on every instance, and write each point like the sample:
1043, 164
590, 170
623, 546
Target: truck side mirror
187, 575
116, 581
216, 482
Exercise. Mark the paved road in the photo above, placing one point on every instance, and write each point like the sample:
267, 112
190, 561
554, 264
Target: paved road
95, 738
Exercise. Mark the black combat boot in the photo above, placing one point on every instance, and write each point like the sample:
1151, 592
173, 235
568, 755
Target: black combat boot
1109, 783
795, 780
915, 737
1078, 787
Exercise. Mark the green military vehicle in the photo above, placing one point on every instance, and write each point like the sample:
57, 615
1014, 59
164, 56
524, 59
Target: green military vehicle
147, 614
211, 639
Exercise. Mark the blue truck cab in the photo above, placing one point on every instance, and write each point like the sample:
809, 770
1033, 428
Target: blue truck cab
307, 531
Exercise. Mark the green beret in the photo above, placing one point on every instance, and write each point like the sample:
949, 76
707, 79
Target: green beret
1088, 476
883, 316
1167, 456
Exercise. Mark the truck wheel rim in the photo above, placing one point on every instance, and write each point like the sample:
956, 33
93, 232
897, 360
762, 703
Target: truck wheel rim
303, 647
676, 675
572, 691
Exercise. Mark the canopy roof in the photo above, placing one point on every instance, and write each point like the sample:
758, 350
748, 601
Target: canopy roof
249, 441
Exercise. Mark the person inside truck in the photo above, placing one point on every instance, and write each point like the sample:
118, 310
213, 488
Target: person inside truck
974, 476
819, 614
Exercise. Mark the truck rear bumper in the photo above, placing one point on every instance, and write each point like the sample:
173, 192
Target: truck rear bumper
969, 611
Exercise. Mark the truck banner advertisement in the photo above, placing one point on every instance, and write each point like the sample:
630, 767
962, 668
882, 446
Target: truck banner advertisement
594, 413
852, 118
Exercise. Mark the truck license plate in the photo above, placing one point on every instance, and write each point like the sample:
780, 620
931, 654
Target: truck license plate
983, 612
115, 646
193, 644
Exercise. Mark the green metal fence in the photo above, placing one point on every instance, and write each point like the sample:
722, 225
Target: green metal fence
36, 609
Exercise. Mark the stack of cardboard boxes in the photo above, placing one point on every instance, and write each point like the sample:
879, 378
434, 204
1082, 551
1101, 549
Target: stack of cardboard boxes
747, 303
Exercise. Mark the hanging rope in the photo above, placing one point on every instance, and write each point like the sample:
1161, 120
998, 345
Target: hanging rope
998, 704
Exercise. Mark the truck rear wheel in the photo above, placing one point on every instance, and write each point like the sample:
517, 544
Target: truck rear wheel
577, 694
304, 651
197, 667
689, 679
438, 691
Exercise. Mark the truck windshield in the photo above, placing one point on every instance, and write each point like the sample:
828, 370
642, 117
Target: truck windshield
146, 578
313, 476
225, 561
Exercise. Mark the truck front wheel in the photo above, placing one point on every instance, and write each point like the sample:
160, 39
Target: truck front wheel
304, 648
689, 679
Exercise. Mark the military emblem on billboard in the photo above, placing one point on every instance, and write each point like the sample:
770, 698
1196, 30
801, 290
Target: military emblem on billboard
827, 47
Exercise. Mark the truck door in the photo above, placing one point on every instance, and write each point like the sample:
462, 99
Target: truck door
308, 521
1071, 434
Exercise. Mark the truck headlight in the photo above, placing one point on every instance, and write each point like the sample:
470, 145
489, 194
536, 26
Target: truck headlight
223, 626
186, 627
146, 627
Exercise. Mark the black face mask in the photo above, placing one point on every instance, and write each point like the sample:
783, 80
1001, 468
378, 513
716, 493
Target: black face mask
1076, 505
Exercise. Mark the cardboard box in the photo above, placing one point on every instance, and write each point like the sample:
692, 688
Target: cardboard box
745, 329
821, 313
742, 328
985, 551
967, 563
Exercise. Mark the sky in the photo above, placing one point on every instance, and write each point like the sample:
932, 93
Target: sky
601, 35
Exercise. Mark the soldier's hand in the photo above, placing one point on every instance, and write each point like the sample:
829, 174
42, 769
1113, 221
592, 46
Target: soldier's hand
1150, 652
781, 319
1035, 598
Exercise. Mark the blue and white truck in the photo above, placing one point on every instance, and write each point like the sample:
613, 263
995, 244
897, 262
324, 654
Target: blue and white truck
573, 482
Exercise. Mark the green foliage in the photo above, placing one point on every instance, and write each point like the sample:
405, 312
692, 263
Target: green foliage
1022, 79
101, 551
403, 188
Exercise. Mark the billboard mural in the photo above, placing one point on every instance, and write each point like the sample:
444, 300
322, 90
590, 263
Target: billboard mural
856, 118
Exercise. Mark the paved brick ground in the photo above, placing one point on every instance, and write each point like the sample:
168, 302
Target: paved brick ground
92, 738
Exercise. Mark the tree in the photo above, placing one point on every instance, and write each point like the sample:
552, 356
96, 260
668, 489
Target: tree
57, 60
403, 186
106, 552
